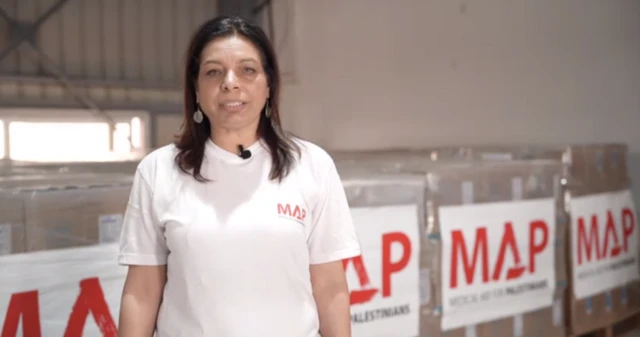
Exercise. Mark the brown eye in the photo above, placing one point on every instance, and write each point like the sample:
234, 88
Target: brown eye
213, 72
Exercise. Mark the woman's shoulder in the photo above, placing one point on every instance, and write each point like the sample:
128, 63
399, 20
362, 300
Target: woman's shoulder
158, 161
314, 159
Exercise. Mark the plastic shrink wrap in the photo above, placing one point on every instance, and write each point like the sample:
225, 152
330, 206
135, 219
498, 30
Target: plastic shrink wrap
18, 168
602, 236
491, 259
466, 241
385, 283
58, 250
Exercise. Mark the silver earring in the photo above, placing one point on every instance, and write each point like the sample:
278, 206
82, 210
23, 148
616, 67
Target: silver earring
267, 111
197, 116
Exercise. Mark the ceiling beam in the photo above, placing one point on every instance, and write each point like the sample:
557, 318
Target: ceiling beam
152, 107
21, 32
88, 82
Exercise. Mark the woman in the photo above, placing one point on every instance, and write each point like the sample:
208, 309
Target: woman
237, 229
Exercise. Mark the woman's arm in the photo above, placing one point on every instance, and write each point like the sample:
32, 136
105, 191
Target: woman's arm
143, 249
141, 299
332, 238
332, 299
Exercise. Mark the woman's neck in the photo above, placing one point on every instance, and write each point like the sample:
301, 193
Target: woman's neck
229, 140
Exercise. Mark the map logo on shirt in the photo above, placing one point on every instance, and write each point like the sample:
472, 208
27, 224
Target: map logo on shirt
292, 212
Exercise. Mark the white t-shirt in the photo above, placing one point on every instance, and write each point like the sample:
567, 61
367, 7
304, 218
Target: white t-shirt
238, 248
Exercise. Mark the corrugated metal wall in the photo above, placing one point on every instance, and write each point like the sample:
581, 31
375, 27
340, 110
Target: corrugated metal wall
124, 52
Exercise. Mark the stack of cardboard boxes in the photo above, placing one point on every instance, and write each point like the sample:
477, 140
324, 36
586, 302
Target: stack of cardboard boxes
457, 242
483, 186
454, 195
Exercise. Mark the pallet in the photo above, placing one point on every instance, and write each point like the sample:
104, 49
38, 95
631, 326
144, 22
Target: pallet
628, 326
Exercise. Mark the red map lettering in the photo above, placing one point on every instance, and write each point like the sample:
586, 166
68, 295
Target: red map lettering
23, 305
389, 268
91, 299
480, 258
298, 212
592, 246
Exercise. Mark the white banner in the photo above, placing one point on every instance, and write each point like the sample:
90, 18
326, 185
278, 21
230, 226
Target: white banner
384, 281
497, 260
76, 292
604, 242
68, 292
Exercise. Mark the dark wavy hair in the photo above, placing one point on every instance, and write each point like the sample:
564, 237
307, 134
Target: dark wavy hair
191, 141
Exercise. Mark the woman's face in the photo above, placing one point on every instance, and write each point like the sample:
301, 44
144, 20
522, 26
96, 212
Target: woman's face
232, 86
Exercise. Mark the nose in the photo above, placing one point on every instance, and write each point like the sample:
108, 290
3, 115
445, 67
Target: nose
230, 81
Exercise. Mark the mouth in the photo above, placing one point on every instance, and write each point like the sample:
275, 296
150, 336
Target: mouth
232, 104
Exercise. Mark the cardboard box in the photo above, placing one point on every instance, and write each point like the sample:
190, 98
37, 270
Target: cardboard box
471, 184
64, 211
500, 186
13, 168
74, 217
12, 233
588, 171
385, 283
600, 172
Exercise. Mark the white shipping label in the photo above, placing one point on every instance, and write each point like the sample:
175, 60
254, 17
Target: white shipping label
5, 239
498, 260
604, 242
384, 281
110, 226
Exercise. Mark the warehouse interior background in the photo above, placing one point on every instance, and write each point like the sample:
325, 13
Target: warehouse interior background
100, 80
358, 73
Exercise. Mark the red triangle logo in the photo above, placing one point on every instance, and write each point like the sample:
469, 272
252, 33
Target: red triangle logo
364, 295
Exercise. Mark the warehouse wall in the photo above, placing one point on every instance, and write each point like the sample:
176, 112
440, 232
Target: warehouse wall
440, 72
373, 74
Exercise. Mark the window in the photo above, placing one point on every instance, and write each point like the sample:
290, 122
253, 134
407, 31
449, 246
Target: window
121, 143
2, 154
72, 141
72, 135
42, 141
136, 132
